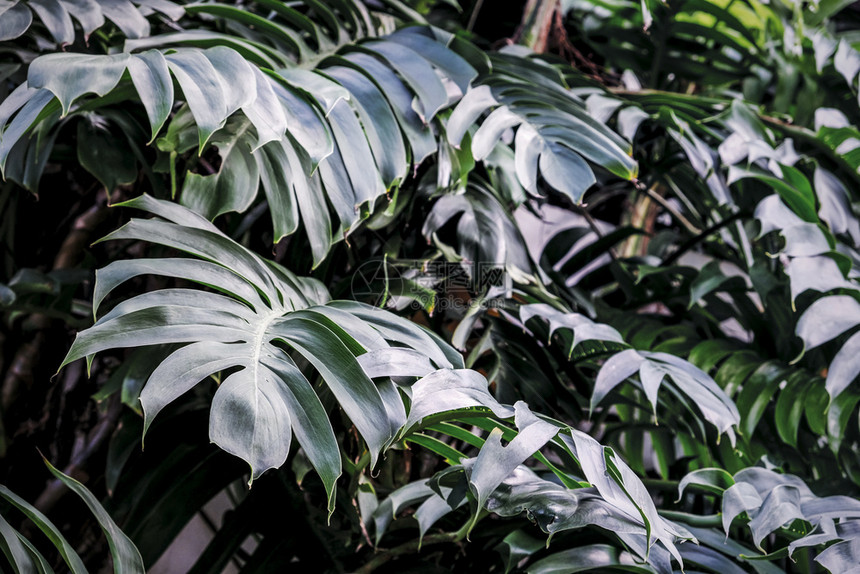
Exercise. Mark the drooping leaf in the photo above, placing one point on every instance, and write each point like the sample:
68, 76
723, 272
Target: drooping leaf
126, 557
653, 368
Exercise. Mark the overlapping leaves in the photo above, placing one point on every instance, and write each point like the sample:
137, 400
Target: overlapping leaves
555, 133
306, 137
771, 503
496, 479
815, 266
327, 144
59, 16
259, 319
260, 316
653, 369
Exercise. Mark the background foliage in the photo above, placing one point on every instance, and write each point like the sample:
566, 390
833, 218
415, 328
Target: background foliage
552, 286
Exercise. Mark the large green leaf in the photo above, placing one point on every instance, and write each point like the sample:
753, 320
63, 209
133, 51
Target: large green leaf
261, 316
581, 327
495, 463
601, 557
827, 318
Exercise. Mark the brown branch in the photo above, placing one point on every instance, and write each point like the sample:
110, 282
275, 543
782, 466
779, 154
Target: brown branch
80, 235
542, 29
572, 54
71, 376
536, 24
642, 215
85, 448
20, 373
654, 193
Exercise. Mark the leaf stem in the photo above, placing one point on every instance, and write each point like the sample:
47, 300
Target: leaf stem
659, 484
473, 17
407, 548
652, 193
707, 521
173, 174
693, 241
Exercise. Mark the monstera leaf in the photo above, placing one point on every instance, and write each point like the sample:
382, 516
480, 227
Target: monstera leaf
555, 133
259, 317
56, 16
497, 481
580, 327
341, 135
283, 26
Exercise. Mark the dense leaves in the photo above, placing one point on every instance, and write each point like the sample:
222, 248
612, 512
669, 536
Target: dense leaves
505, 300
261, 306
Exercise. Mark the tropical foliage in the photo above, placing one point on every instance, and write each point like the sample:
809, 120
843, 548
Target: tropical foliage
545, 287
